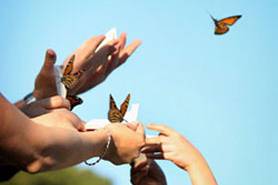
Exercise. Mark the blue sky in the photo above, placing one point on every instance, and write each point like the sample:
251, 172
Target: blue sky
218, 91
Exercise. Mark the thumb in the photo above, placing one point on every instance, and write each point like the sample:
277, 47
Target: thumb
49, 61
140, 130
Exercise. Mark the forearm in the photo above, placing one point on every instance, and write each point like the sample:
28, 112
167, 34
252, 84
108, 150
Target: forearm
14, 127
37, 148
200, 173
67, 148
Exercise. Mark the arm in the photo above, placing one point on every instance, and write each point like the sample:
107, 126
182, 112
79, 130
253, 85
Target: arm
38, 148
172, 146
33, 147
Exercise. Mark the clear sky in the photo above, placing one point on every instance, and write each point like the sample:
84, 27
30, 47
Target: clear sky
219, 91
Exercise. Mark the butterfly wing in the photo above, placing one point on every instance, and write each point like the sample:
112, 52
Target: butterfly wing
71, 80
74, 101
124, 105
219, 30
114, 114
69, 66
229, 20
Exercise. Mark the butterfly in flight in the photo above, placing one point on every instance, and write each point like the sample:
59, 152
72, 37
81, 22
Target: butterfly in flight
70, 80
116, 115
222, 25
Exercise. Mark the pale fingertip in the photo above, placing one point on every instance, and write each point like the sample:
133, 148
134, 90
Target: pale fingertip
151, 125
123, 34
82, 127
138, 42
101, 36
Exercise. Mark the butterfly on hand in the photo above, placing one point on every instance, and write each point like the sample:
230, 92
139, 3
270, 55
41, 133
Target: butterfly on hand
70, 80
222, 25
116, 115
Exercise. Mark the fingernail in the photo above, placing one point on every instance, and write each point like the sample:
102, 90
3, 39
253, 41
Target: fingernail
51, 54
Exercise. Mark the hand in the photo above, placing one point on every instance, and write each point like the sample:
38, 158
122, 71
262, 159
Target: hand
44, 106
172, 146
60, 118
147, 172
98, 65
125, 144
45, 84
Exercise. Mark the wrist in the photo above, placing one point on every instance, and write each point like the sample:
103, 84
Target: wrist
197, 163
200, 173
96, 141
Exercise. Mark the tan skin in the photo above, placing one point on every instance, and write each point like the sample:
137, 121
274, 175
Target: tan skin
172, 146
147, 172
34, 147
97, 68
97, 65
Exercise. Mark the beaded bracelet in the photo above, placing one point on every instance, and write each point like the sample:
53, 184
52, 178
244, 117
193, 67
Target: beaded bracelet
102, 155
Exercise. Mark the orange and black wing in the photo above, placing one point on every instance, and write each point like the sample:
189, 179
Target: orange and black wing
229, 20
219, 30
74, 101
124, 105
114, 114
112, 103
69, 66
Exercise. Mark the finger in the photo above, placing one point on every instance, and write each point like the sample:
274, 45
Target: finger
161, 128
132, 126
156, 155
81, 126
76, 121
140, 129
138, 167
151, 148
101, 57
91, 45
55, 102
153, 141
49, 61
122, 40
125, 53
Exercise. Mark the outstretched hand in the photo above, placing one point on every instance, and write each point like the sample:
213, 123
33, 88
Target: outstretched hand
170, 145
98, 64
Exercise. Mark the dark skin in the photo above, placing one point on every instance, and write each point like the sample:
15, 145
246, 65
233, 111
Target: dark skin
147, 172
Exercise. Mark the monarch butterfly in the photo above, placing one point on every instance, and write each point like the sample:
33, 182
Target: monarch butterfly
115, 114
222, 26
68, 79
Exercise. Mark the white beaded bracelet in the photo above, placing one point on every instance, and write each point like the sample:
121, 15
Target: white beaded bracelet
102, 155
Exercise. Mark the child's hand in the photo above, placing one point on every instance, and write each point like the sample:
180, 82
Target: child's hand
170, 145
